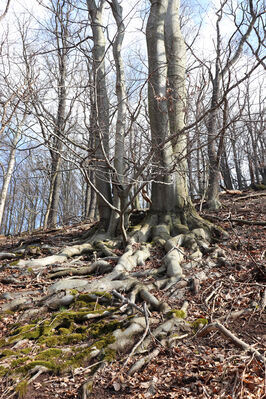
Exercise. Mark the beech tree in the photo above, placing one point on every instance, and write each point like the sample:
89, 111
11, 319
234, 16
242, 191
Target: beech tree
170, 226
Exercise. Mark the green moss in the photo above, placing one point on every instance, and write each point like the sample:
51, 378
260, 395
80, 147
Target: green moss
8, 312
49, 353
73, 292
103, 294
80, 356
64, 331
50, 365
50, 342
57, 340
26, 351
7, 353
14, 263
21, 389
109, 355
65, 318
86, 298
18, 362
178, 313
103, 327
80, 305
4, 371
30, 331
199, 323
104, 341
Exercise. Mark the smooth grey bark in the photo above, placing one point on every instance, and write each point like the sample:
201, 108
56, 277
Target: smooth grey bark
8, 174
157, 105
61, 34
100, 113
119, 192
176, 94
166, 95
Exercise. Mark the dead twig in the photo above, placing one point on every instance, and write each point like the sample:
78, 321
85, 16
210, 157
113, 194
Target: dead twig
239, 221
228, 334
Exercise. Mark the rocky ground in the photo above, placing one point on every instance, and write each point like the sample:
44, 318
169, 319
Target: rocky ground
46, 350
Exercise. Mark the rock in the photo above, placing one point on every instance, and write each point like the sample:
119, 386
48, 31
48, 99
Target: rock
23, 343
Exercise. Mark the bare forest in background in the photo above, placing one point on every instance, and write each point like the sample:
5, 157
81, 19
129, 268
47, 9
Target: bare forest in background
75, 119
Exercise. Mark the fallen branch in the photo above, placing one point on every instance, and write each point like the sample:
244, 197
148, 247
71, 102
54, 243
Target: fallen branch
228, 334
250, 196
240, 221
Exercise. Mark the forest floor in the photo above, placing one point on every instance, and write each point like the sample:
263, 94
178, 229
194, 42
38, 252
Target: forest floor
210, 366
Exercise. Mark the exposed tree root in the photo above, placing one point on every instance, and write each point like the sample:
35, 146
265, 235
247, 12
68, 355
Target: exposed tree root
184, 241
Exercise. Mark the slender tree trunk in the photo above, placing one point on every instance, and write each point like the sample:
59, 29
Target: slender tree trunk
62, 21
100, 113
226, 172
119, 190
237, 164
8, 175
215, 152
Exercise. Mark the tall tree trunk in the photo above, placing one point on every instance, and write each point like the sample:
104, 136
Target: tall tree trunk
100, 114
157, 102
8, 175
61, 18
119, 190
167, 104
